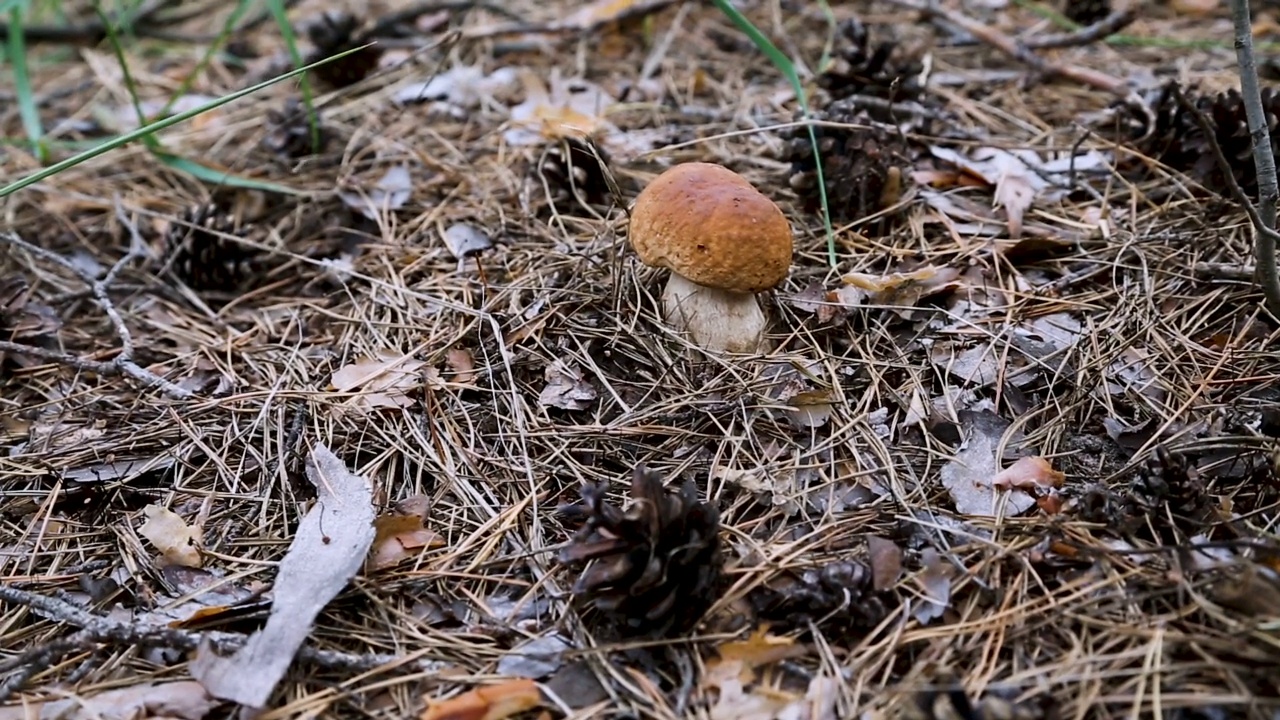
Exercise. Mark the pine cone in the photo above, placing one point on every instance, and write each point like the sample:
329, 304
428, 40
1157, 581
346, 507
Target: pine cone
289, 131
1086, 12
861, 165
652, 568
571, 159
336, 32
858, 69
1169, 480
1177, 141
203, 260
838, 596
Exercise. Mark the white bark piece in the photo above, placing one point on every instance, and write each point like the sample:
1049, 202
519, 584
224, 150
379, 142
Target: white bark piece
328, 549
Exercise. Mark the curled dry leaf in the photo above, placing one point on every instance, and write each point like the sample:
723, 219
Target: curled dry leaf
1028, 473
390, 193
936, 583
464, 240
571, 107
566, 388
463, 366
178, 543
886, 562
383, 381
400, 534
494, 702
969, 475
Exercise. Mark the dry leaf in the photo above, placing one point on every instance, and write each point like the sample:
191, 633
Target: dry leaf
494, 702
936, 582
536, 658
464, 240
598, 13
1026, 473
462, 364
568, 108
740, 658
383, 381
566, 388
886, 562
178, 543
1194, 8
330, 544
969, 475
391, 192
400, 535
184, 700
464, 87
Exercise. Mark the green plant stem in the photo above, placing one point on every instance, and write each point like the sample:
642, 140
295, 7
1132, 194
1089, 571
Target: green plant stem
788, 69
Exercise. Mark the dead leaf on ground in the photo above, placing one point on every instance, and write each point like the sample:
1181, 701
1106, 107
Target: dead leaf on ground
178, 543
182, 700
739, 659
595, 14
970, 475
935, 580
400, 534
886, 562
383, 381
461, 88
1028, 473
536, 658
906, 288
493, 702
330, 544
566, 388
566, 108
464, 239
391, 192
461, 363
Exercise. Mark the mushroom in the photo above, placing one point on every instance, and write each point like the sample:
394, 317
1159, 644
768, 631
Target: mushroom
723, 241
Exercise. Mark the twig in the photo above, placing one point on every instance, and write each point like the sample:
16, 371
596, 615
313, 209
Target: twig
1109, 25
92, 32
1021, 51
95, 629
123, 362
1265, 243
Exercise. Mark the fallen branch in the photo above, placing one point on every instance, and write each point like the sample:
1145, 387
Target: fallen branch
1022, 52
1100, 30
122, 363
97, 629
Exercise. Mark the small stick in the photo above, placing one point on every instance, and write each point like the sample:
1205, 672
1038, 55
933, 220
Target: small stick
1021, 51
97, 629
123, 362
1107, 26
1266, 238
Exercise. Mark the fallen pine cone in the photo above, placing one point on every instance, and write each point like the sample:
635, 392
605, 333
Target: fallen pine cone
652, 568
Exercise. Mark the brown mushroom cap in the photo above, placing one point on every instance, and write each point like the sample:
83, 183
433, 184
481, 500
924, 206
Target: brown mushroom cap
708, 224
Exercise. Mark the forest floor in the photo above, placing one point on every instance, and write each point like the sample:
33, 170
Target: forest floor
1014, 451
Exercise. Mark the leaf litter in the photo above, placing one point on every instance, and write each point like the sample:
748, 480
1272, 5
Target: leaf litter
1021, 262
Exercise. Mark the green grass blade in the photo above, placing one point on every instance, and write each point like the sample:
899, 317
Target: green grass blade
27, 109
157, 126
281, 15
219, 177
152, 142
788, 69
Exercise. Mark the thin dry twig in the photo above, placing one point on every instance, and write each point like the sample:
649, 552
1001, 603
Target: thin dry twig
1263, 158
1100, 30
1021, 51
96, 629
123, 362
1265, 238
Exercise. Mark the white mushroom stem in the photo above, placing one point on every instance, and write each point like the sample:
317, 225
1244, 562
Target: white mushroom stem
715, 320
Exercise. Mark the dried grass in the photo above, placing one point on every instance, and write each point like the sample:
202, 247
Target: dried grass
1117, 632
